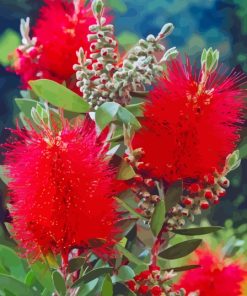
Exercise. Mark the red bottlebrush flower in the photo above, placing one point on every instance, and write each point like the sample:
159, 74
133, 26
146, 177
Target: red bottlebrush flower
61, 191
190, 128
61, 30
215, 277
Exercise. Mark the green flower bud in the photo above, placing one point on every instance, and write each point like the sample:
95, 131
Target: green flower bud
209, 60
165, 31
97, 7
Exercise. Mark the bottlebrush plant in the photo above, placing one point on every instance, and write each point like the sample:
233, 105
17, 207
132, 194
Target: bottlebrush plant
103, 175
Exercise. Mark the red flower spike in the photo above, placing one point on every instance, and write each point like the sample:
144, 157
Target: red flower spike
204, 205
188, 122
216, 276
59, 183
60, 31
143, 289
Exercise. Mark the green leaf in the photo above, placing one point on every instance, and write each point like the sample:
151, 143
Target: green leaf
125, 273
158, 217
91, 275
136, 109
198, 230
10, 260
26, 105
233, 160
3, 175
106, 113
43, 275
129, 208
75, 264
59, 96
209, 60
122, 289
9, 41
129, 255
128, 118
96, 242
173, 195
15, 286
125, 171
59, 283
182, 268
107, 288
181, 250
126, 225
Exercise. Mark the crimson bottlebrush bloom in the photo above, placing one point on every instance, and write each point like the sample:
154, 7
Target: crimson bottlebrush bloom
61, 191
216, 276
189, 130
61, 30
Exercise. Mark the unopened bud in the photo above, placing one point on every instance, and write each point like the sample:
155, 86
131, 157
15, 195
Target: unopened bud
97, 7
204, 205
165, 31
209, 60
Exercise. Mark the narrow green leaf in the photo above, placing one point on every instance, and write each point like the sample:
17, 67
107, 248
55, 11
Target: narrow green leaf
128, 118
198, 230
107, 288
96, 242
59, 283
129, 255
173, 195
15, 286
158, 216
43, 275
75, 264
3, 175
91, 275
126, 225
122, 289
10, 260
106, 113
129, 208
136, 109
182, 268
125, 273
59, 96
181, 250
125, 171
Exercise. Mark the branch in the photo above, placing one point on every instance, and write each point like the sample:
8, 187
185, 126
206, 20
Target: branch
139, 94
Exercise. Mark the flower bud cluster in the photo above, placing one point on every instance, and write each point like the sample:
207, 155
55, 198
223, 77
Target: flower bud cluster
102, 77
153, 282
201, 195
143, 186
